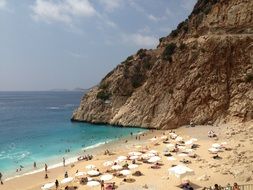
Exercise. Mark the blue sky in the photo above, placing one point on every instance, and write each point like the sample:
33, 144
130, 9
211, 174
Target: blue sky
50, 44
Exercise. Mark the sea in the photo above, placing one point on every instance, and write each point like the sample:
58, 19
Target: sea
36, 127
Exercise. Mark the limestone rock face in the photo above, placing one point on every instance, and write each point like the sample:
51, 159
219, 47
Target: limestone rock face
201, 72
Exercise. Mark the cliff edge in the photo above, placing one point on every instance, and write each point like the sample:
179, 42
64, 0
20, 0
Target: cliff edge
201, 72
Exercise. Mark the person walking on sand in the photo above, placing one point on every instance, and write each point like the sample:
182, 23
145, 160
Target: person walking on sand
102, 185
63, 160
1, 175
56, 184
45, 167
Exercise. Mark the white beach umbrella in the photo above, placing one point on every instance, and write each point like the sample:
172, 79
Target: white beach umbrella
132, 166
106, 177
93, 183
67, 180
117, 167
93, 173
179, 138
134, 157
173, 135
147, 155
188, 150
181, 148
164, 137
90, 167
138, 146
134, 153
80, 174
153, 139
108, 163
122, 158
154, 159
182, 155
171, 158
170, 145
189, 142
125, 172
48, 186
213, 150
153, 151
193, 139
181, 171
216, 145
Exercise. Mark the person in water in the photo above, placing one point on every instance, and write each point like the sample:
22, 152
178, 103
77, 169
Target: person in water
1, 175
45, 167
34, 165
63, 160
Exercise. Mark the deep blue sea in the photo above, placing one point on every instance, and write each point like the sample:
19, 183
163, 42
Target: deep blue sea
35, 126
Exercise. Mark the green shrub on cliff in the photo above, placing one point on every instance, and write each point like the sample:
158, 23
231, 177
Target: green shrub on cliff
129, 58
103, 95
137, 80
141, 53
249, 77
104, 85
169, 51
182, 46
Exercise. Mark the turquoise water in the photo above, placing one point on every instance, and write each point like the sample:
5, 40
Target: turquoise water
35, 126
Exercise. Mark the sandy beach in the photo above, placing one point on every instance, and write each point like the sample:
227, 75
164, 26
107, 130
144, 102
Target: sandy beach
235, 164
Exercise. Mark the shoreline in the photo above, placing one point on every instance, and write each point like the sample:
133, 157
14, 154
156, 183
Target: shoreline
113, 125
92, 149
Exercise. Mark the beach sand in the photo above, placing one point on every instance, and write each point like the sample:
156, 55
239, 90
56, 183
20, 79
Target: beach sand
235, 165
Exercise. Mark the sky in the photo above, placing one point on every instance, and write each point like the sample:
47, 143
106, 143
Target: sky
65, 44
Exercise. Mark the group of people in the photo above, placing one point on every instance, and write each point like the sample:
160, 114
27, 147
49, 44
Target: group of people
211, 134
228, 187
107, 152
20, 168
186, 186
85, 157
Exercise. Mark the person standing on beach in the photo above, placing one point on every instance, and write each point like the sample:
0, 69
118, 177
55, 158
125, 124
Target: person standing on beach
1, 175
63, 160
102, 185
56, 184
45, 167
236, 187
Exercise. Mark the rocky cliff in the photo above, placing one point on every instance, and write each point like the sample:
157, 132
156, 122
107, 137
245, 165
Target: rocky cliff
201, 72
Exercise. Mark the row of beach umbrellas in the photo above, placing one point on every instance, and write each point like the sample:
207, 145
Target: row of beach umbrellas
151, 157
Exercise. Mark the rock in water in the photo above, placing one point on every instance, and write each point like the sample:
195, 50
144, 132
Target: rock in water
201, 72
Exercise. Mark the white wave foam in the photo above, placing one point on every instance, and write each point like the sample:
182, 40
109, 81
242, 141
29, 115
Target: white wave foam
96, 145
53, 108
15, 156
67, 161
